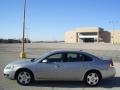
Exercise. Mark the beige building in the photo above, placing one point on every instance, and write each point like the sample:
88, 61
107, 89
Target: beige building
92, 34
115, 37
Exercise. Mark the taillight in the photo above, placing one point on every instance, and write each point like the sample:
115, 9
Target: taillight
111, 63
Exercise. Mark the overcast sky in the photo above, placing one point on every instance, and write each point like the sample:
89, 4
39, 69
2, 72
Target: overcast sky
50, 19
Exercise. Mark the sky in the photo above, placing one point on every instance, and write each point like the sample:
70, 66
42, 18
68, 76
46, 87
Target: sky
48, 20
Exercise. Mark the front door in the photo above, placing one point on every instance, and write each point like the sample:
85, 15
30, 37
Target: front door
50, 67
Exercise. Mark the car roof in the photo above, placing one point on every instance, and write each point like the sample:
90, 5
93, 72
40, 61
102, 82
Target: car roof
71, 51
59, 51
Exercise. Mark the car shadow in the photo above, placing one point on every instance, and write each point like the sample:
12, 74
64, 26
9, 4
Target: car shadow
107, 83
110, 83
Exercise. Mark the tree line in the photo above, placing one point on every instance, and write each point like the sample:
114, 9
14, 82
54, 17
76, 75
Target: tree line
26, 40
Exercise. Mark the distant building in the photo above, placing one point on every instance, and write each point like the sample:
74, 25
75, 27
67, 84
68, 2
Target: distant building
92, 34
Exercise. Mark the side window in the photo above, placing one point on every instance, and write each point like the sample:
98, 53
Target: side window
72, 57
83, 57
55, 57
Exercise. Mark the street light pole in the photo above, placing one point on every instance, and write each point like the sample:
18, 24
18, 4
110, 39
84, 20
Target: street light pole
24, 25
23, 54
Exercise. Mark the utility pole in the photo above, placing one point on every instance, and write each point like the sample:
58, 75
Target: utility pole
23, 54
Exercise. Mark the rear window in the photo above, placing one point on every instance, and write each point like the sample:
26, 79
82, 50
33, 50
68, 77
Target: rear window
84, 57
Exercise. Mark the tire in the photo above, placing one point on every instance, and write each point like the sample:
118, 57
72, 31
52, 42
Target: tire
92, 78
24, 77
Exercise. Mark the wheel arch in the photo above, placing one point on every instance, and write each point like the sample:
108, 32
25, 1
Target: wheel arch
22, 69
93, 70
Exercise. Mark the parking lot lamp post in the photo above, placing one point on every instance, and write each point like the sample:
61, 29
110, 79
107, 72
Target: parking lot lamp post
23, 54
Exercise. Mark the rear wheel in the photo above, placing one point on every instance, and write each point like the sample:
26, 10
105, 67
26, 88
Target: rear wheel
92, 78
24, 77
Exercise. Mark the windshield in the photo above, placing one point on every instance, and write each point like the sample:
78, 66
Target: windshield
40, 57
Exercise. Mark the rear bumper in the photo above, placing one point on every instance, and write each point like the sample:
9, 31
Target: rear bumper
110, 72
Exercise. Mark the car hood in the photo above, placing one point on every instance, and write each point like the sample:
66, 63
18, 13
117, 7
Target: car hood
23, 61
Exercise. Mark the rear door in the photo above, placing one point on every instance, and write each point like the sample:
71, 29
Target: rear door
73, 67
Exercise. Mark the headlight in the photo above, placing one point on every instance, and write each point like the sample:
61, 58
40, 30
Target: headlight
10, 67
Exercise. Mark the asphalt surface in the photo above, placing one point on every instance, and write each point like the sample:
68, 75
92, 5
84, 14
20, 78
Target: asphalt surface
10, 52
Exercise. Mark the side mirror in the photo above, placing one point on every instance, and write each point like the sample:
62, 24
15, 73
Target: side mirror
45, 61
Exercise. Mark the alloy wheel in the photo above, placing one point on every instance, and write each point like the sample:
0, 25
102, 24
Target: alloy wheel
92, 79
24, 78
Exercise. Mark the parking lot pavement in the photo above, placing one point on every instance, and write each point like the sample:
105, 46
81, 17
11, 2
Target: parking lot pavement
9, 53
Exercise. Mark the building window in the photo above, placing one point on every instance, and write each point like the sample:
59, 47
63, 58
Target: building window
88, 33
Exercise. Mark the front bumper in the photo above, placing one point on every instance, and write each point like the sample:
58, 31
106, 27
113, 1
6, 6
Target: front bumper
9, 74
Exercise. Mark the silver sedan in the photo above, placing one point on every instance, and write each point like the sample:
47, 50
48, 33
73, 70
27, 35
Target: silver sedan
61, 65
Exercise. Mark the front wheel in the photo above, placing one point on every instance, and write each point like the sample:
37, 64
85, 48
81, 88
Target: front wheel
24, 77
92, 78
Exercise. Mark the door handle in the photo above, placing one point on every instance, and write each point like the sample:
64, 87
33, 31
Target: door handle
57, 65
